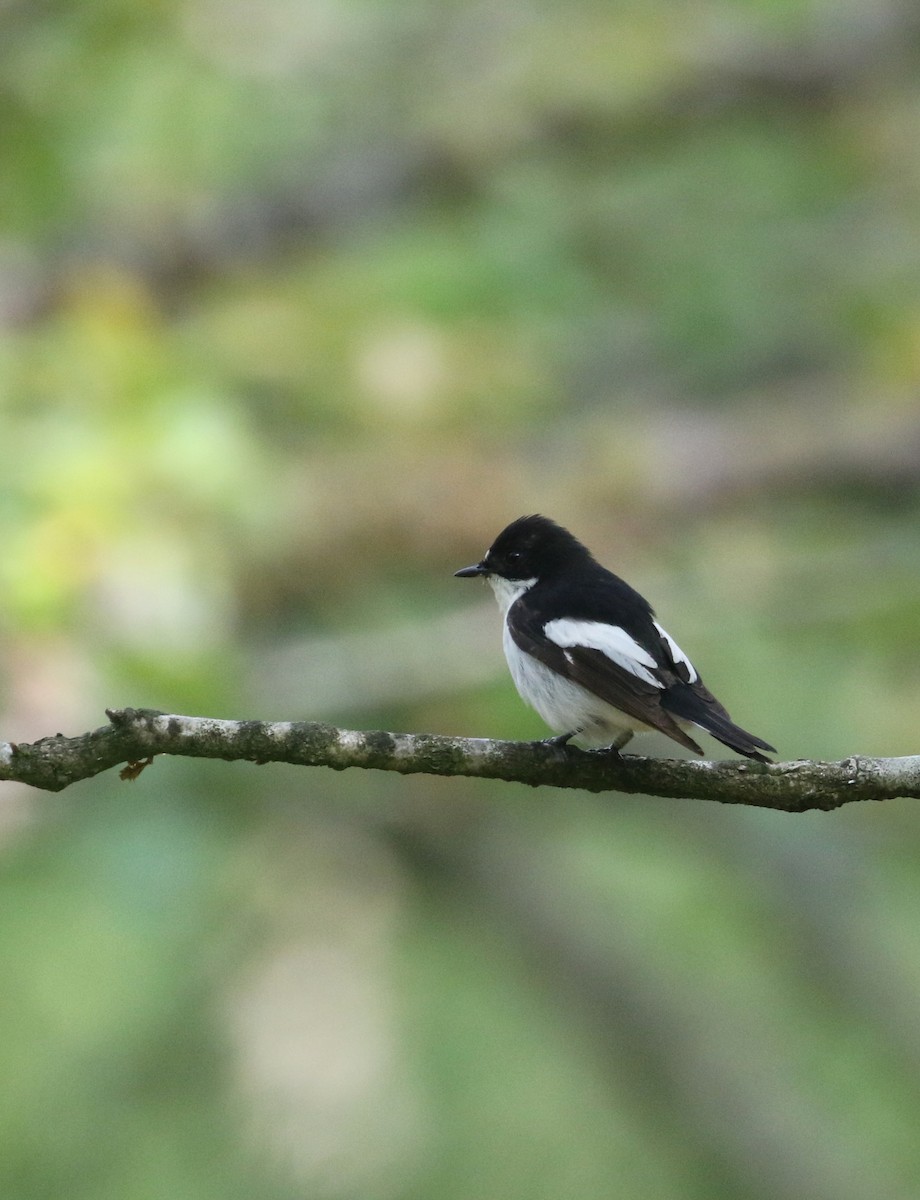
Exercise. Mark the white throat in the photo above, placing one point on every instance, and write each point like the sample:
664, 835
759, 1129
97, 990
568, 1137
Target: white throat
508, 590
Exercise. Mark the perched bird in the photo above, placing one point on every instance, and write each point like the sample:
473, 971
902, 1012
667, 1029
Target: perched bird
585, 649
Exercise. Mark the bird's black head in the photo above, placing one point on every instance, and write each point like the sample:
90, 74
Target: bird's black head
530, 548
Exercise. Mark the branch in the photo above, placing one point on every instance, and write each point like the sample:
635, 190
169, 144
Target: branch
135, 735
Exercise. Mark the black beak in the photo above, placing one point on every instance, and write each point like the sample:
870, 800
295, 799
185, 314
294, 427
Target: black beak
471, 572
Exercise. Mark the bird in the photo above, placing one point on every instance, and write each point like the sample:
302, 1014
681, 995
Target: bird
585, 650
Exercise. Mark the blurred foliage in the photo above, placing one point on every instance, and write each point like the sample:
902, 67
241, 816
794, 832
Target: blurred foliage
299, 304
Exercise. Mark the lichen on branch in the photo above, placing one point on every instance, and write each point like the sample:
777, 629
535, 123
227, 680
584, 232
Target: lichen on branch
136, 736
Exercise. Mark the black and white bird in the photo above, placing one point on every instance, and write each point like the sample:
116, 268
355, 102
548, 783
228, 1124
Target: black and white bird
585, 650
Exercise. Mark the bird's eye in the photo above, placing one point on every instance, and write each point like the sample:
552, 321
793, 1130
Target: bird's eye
514, 556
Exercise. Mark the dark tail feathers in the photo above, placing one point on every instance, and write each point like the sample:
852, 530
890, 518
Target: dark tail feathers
694, 702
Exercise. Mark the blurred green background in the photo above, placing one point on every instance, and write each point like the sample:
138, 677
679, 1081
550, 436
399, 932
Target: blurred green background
300, 303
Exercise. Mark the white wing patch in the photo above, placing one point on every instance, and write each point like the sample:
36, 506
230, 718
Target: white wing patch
677, 654
611, 640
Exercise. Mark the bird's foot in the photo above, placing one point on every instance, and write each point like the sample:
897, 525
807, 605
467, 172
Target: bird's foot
613, 750
559, 745
561, 739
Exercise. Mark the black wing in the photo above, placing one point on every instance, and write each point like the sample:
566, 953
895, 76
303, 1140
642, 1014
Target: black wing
597, 673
